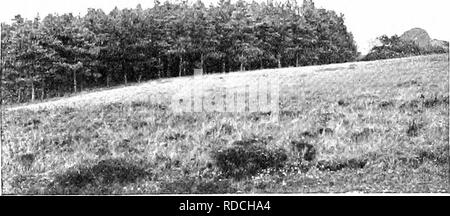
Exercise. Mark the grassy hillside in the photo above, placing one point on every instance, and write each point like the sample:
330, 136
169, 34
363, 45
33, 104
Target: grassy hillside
356, 127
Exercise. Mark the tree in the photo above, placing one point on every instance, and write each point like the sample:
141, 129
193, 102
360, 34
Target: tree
65, 53
393, 47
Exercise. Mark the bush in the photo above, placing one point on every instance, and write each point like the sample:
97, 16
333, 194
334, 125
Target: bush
99, 178
394, 47
336, 165
247, 159
304, 150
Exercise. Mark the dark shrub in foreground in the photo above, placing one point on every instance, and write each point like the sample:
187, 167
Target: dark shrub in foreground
305, 151
99, 178
241, 161
336, 165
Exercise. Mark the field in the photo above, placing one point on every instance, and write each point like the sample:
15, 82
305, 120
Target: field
369, 127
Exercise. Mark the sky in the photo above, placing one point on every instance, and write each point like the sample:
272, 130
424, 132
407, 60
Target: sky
366, 19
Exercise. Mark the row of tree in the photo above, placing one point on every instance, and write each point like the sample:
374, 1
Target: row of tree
65, 53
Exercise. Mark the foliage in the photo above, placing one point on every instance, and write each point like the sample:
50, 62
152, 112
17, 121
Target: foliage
395, 47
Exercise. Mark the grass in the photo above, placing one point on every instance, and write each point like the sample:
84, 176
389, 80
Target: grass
369, 127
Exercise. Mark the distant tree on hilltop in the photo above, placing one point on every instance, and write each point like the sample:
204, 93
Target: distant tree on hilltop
393, 47
406, 45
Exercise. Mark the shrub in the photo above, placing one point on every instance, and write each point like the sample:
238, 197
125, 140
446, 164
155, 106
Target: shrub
99, 177
248, 158
304, 150
439, 155
393, 47
336, 165
362, 135
413, 129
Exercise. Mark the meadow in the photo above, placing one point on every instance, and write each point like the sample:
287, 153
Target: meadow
366, 127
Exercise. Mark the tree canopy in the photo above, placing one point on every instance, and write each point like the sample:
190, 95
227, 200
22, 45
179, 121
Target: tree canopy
396, 47
62, 54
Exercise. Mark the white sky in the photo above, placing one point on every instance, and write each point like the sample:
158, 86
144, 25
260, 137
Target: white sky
366, 19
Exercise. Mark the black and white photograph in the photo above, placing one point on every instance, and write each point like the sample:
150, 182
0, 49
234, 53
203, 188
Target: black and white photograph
224, 97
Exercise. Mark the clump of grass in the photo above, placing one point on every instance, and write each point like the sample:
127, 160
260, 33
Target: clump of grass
178, 119
336, 165
425, 102
256, 116
125, 145
27, 160
324, 118
308, 134
386, 104
325, 131
290, 113
33, 122
409, 83
70, 110
175, 136
220, 129
139, 124
435, 101
414, 105
303, 150
343, 103
98, 177
439, 155
103, 151
413, 129
362, 135
247, 158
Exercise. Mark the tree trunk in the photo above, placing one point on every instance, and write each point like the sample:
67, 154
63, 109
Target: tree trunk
242, 64
202, 63
125, 78
279, 60
18, 96
180, 66
261, 64
159, 68
74, 81
168, 67
296, 61
43, 93
43, 90
108, 80
32, 91
223, 67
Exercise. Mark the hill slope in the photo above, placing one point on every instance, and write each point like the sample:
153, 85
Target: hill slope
357, 127
158, 90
